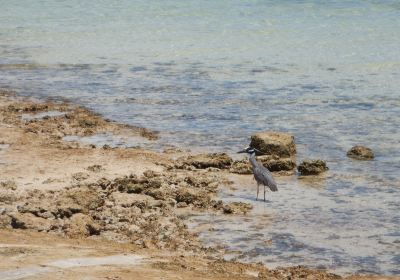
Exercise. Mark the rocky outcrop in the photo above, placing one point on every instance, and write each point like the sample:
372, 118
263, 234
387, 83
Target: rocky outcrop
273, 163
274, 143
133, 209
312, 167
202, 161
361, 153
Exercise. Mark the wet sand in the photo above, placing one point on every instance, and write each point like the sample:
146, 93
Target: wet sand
62, 201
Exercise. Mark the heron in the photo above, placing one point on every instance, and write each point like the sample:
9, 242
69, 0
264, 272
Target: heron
261, 174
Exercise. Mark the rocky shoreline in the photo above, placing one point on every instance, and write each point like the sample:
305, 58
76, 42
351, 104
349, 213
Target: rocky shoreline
84, 193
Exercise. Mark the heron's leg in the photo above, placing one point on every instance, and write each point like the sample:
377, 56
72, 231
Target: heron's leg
258, 189
264, 192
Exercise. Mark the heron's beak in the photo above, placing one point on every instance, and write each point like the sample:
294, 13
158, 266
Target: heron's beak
242, 151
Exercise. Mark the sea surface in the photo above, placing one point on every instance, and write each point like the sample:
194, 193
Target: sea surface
208, 74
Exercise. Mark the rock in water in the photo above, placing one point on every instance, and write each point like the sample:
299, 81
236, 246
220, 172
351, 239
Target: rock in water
361, 153
274, 143
312, 167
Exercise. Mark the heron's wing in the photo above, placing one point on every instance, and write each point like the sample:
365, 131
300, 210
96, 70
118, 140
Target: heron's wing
264, 177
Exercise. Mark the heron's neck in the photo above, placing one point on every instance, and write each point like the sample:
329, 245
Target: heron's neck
252, 159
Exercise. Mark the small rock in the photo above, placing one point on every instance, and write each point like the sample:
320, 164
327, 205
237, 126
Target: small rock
134, 229
95, 168
5, 221
29, 221
181, 205
312, 167
150, 174
9, 185
131, 199
80, 176
81, 225
132, 188
156, 204
361, 153
171, 202
274, 143
237, 208
7, 196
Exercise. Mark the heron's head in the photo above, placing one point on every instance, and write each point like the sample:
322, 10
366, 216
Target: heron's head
250, 151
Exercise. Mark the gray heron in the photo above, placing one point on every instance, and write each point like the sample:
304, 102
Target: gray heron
262, 175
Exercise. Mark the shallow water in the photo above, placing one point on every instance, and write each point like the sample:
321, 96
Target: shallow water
48, 114
116, 260
209, 74
115, 141
327, 222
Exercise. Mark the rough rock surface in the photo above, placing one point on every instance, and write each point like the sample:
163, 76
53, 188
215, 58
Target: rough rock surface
241, 167
312, 167
30, 221
361, 153
132, 209
274, 143
81, 225
273, 163
202, 161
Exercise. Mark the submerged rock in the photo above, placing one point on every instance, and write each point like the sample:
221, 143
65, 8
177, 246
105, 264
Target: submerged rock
237, 208
312, 167
274, 143
361, 153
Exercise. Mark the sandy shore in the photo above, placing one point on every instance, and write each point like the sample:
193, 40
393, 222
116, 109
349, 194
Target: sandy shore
69, 209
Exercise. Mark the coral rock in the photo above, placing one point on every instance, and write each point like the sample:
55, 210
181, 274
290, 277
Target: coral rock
361, 153
274, 143
312, 167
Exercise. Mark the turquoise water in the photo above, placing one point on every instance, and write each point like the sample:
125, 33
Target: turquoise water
207, 74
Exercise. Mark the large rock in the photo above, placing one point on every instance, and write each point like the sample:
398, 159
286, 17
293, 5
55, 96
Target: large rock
361, 153
312, 167
274, 143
